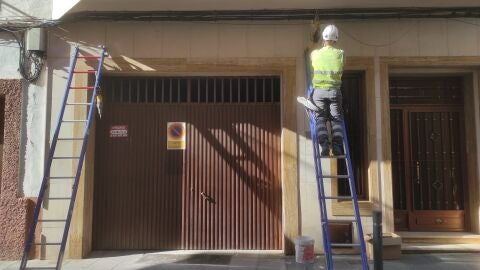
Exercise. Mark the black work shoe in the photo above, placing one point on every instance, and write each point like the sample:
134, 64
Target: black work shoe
337, 149
325, 152
337, 146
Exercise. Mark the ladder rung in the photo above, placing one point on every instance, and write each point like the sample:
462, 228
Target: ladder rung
62, 177
344, 245
59, 198
52, 220
85, 71
40, 267
73, 121
82, 87
88, 57
70, 139
336, 176
65, 157
341, 220
333, 157
338, 198
47, 244
78, 104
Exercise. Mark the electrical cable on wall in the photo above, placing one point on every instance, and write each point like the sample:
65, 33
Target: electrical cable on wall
30, 63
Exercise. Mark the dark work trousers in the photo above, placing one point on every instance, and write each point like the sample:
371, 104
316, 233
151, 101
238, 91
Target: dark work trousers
329, 103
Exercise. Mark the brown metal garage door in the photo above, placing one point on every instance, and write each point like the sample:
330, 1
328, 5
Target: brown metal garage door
222, 192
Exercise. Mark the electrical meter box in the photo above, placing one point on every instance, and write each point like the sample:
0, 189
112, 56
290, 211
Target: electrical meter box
35, 39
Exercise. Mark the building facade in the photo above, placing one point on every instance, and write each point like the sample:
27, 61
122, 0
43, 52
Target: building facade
15, 208
246, 178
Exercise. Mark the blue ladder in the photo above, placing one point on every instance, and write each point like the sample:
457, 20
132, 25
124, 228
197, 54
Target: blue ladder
320, 178
51, 158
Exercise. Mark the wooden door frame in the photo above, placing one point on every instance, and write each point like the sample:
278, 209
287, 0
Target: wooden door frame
80, 243
344, 208
406, 110
472, 63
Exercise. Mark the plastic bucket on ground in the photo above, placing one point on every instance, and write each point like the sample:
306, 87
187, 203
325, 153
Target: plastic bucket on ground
304, 252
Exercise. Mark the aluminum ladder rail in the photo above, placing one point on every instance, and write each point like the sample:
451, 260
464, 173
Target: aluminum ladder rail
51, 158
320, 178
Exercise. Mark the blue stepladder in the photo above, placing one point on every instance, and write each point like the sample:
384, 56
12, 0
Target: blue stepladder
47, 177
320, 178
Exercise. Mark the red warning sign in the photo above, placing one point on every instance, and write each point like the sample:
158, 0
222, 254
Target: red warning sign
119, 131
176, 135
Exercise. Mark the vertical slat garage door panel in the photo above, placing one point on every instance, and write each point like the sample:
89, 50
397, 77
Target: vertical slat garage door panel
136, 197
231, 189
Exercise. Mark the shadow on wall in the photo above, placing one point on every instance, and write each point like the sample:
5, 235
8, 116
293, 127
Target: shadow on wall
8, 10
7, 40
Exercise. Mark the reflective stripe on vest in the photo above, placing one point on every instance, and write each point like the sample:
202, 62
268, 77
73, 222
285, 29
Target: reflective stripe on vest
327, 65
327, 72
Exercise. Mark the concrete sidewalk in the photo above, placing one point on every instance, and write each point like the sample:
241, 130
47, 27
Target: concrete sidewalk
235, 261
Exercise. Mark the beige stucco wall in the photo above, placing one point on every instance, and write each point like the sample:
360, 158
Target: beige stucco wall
422, 37
240, 40
22, 9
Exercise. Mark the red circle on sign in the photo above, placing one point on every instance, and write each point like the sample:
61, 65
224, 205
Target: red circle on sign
176, 131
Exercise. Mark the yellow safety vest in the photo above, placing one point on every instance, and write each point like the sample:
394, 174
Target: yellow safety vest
327, 64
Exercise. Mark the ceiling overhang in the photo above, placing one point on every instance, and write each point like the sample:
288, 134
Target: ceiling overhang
215, 10
282, 14
219, 5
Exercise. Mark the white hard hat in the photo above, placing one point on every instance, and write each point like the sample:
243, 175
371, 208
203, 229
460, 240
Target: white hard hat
330, 33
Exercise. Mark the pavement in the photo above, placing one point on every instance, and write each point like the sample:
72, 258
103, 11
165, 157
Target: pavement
105, 260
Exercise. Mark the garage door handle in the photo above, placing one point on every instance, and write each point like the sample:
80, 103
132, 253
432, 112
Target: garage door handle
206, 197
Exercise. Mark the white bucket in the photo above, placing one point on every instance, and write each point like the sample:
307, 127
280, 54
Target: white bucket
304, 252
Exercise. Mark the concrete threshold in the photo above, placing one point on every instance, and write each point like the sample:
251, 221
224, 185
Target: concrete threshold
412, 248
440, 237
439, 242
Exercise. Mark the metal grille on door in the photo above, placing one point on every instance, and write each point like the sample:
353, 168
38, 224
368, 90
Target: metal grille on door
222, 192
427, 131
437, 180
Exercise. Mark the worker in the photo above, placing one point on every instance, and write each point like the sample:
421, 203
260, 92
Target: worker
326, 99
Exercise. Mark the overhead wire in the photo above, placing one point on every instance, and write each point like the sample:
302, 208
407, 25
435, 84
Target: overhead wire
390, 43
465, 22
